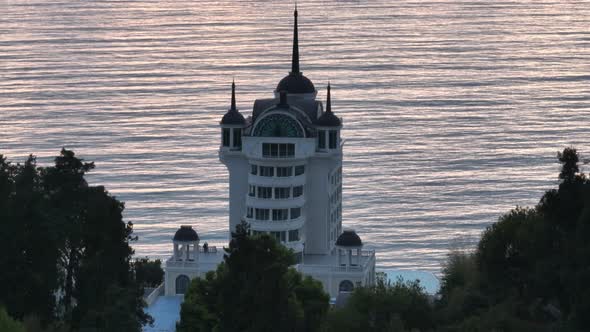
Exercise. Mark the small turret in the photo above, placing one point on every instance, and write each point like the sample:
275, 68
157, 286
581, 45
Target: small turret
232, 124
328, 126
346, 243
185, 238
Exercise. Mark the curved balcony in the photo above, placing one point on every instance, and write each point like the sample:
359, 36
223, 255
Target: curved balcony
276, 181
275, 225
275, 203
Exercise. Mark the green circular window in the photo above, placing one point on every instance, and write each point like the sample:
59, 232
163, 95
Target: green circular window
278, 125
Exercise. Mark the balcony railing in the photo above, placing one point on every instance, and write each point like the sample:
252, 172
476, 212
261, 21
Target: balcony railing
171, 262
369, 254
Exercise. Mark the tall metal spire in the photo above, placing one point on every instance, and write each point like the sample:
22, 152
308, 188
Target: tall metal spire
233, 96
328, 101
295, 60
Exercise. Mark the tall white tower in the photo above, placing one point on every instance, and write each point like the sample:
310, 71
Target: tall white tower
285, 164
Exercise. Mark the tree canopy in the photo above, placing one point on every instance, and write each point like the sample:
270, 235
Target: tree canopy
386, 306
66, 249
530, 270
254, 289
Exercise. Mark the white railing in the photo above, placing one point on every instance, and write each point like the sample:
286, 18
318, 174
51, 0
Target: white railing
174, 263
275, 203
370, 254
275, 225
210, 250
150, 299
333, 268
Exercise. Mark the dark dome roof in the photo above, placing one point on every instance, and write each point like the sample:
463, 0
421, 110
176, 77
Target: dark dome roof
233, 117
329, 119
349, 238
186, 234
296, 83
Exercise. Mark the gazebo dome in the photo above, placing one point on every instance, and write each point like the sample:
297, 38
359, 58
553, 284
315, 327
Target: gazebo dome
349, 238
295, 83
186, 234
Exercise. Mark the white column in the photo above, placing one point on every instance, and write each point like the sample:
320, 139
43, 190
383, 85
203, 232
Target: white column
349, 257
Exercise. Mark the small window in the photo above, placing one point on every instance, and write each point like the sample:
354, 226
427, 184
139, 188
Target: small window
237, 137
321, 139
266, 171
253, 169
225, 136
264, 192
294, 235
346, 286
182, 284
297, 191
333, 139
252, 191
262, 214
300, 169
284, 171
249, 212
277, 235
275, 150
282, 192
280, 214
295, 213
266, 150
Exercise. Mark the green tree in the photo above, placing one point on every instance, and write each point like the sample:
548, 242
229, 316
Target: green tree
399, 306
530, 269
148, 273
28, 241
64, 241
254, 289
8, 324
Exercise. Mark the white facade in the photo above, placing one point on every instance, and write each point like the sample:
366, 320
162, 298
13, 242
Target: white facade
285, 179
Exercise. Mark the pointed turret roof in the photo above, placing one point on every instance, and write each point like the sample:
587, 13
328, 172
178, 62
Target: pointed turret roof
295, 82
329, 119
233, 116
295, 54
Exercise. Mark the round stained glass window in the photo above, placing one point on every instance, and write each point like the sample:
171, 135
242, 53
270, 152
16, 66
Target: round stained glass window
278, 125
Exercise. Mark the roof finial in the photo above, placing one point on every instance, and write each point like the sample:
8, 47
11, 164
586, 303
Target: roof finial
233, 96
328, 101
295, 59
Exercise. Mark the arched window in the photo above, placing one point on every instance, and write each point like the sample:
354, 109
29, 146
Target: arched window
346, 286
278, 125
182, 283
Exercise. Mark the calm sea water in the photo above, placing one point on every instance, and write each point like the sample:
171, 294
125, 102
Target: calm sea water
453, 110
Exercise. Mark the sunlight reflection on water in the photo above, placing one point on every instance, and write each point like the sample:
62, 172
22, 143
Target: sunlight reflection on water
453, 110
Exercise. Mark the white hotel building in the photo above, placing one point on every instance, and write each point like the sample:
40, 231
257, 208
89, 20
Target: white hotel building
285, 179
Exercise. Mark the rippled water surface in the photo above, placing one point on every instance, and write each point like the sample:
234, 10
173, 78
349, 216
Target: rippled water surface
453, 110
